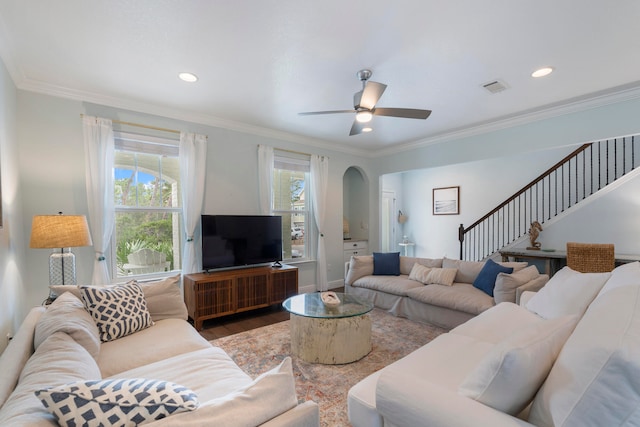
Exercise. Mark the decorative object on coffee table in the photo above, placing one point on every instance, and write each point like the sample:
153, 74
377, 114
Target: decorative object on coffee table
534, 232
330, 299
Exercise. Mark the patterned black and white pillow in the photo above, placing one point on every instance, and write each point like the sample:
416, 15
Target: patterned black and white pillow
116, 402
117, 310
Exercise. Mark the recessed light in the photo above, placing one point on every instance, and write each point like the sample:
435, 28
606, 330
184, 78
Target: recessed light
541, 72
367, 129
188, 77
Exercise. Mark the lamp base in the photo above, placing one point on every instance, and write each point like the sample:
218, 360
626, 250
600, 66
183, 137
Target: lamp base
62, 267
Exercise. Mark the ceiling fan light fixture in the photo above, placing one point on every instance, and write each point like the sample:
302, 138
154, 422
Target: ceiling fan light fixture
364, 116
541, 72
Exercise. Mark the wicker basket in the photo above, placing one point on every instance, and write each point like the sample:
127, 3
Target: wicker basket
590, 257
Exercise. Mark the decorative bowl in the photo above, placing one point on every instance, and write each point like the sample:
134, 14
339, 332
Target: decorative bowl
330, 299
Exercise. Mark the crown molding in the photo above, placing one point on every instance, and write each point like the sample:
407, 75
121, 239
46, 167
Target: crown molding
583, 103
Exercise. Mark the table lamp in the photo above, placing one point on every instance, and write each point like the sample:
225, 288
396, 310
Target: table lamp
61, 233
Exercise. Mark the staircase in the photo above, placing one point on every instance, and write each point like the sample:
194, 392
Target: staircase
582, 173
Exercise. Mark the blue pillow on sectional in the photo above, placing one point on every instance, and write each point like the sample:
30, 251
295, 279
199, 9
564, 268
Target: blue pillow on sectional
486, 280
386, 264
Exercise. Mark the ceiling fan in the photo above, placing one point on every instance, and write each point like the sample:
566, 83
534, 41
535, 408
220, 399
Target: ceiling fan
364, 105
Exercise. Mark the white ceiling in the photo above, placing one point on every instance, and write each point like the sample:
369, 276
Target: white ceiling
261, 62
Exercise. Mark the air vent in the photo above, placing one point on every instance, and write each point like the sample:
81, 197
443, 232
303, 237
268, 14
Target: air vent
495, 86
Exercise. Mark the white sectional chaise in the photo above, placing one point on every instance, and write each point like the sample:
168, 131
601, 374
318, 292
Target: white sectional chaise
568, 355
61, 344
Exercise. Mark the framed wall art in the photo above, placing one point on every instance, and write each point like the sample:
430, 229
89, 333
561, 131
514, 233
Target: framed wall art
446, 201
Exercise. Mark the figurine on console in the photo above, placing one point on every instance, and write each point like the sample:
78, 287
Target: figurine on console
534, 232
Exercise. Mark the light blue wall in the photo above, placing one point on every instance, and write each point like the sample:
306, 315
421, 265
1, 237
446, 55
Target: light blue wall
12, 238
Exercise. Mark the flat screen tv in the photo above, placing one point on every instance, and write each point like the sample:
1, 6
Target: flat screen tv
240, 240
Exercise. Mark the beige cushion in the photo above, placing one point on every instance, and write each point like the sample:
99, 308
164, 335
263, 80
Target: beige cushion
419, 273
407, 263
269, 395
506, 284
58, 360
508, 377
359, 266
395, 285
67, 314
516, 265
164, 299
441, 276
467, 270
118, 310
567, 292
624, 275
460, 297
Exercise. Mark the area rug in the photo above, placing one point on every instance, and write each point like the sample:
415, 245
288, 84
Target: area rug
258, 350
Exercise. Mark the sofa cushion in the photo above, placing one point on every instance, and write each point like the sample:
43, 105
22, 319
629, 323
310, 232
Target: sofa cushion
359, 266
508, 377
164, 299
395, 285
432, 276
567, 292
596, 377
268, 396
419, 273
497, 323
624, 275
118, 402
386, 264
58, 360
467, 270
486, 279
506, 284
117, 310
67, 314
407, 263
460, 296
167, 338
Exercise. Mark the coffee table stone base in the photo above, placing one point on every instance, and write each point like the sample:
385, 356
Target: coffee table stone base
331, 341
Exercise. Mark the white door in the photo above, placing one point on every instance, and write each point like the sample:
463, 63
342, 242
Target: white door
387, 222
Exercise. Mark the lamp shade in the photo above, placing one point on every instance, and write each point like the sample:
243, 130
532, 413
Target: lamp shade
59, 231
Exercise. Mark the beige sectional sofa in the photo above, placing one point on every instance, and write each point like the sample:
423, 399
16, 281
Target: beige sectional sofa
63, 343
439, 301
567, 356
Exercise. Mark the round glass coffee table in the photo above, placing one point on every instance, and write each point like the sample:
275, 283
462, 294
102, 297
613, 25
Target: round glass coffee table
329, 335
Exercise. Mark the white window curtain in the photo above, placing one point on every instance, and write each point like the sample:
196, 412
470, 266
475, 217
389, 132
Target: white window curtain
193, 154
265, 178
319, 180
99, 154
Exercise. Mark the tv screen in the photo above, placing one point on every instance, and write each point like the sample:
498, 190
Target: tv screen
240, 240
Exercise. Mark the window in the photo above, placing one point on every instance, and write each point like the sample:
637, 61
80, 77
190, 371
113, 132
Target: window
291, 202
148, 214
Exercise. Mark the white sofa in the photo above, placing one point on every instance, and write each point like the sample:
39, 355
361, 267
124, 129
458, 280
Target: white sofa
513, 365
405, 294
61, 344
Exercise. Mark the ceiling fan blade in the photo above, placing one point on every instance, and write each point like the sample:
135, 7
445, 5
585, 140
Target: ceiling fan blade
407, 113
370, 95
357, 127
313, 113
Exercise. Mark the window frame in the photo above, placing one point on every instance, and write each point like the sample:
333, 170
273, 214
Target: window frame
151, 145
297, 163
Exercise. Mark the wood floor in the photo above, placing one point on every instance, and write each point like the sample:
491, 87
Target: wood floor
229, 325
221, 327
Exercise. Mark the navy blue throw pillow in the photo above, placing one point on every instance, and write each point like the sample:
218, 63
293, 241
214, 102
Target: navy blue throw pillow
486, 280
386, 264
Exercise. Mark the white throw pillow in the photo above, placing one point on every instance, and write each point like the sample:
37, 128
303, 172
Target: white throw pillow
419, 273
506, 284
508, 377
116, 402
117, 310
624, 275
567, 292
441, 276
